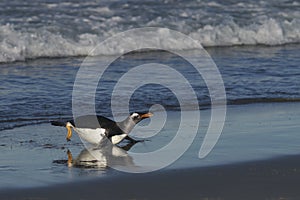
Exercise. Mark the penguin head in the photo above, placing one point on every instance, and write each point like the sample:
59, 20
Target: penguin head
137, 116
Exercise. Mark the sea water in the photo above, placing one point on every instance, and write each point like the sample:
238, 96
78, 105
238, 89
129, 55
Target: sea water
37, 91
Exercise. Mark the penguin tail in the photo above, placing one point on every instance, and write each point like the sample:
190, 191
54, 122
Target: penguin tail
58, 123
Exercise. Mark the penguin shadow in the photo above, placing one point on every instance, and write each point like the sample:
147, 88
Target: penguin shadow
103, 156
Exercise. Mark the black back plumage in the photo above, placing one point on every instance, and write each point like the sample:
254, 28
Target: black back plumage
94, 122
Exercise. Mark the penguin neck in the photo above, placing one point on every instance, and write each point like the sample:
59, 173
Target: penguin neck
127, 125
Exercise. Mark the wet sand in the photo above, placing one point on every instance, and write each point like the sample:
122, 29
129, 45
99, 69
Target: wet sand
257, 157
277, 178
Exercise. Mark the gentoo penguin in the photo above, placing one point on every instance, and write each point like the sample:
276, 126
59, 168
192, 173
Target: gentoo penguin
92, 128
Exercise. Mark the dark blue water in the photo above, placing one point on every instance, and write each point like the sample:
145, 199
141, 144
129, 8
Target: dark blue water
41, 90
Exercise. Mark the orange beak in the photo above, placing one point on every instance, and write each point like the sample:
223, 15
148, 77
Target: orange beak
69, 135
147, 115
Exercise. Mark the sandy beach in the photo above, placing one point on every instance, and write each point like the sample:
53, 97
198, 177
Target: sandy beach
237, 168
270, 179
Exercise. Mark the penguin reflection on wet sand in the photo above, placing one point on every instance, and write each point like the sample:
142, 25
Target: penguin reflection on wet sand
103, 156
93, 129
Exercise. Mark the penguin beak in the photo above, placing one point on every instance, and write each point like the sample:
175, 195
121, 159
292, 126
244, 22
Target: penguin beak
146, 115
69, 135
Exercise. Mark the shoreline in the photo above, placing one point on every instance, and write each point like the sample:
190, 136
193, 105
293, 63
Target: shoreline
276, 178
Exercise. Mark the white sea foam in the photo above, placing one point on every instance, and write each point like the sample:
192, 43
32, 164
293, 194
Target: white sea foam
268, 32
19, 45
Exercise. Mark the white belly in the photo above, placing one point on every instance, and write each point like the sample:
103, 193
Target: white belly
92, 136
117, 138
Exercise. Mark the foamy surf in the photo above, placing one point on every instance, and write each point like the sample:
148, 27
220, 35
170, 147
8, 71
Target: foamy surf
22, 45
38, 29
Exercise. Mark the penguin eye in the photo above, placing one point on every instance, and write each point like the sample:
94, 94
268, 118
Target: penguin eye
135, 116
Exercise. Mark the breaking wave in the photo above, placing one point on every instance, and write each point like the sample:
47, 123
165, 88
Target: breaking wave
20, 45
